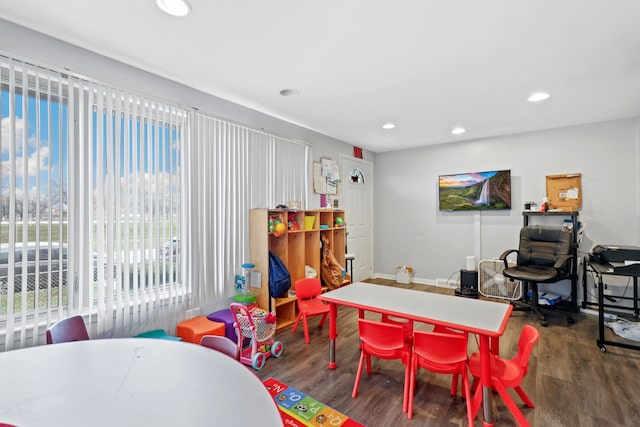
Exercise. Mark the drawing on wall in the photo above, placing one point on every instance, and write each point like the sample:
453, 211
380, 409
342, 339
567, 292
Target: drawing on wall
326, 176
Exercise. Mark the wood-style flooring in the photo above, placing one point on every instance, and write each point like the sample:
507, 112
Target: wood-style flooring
570, 381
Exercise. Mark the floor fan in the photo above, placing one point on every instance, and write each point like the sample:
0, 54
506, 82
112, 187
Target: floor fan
493, 284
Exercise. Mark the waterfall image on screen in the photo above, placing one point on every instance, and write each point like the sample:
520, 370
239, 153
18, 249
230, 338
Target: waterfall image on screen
475, 191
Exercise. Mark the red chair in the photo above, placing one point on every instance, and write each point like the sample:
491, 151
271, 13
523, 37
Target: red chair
508, 373
66, 330
384, 341
446, 330
444, 353
307, 292
407, 325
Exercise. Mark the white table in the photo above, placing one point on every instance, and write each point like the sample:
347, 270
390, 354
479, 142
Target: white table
130, 382
487, 319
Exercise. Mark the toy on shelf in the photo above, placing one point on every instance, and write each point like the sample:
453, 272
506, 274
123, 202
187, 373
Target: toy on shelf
276, 224
259, 325
293, 222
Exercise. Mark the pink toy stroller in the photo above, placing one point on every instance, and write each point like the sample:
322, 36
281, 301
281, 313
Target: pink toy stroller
259, 325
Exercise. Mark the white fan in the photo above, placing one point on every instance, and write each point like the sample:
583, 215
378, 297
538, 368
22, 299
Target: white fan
493, 284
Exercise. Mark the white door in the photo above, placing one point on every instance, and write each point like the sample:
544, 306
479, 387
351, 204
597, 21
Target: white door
357, 199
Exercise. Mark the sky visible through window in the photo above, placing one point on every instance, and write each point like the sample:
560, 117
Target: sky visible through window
45, 156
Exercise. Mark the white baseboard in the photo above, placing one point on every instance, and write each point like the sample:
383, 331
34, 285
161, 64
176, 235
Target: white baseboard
418, 280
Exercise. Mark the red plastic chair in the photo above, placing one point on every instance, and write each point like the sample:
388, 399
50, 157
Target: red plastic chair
384, 341
307, 292
508, 373
66, 330
446, 330
407, 325
444, 353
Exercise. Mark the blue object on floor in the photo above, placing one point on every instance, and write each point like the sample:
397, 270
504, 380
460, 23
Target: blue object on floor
159, 334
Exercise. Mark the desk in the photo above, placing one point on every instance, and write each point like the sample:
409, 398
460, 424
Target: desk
130, 382
487, 319
602, 269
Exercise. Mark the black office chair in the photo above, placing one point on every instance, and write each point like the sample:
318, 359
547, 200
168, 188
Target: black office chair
543, 256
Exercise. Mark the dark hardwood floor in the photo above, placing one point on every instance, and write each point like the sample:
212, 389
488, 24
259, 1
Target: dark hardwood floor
570, 381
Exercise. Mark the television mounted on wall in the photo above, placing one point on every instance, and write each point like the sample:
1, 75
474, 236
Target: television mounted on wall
475, 191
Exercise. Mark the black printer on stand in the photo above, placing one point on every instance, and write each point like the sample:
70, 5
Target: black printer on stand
621, 258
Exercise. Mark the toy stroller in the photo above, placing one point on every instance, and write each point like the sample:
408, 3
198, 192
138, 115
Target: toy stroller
259, 325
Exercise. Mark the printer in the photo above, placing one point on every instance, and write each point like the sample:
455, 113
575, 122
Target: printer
615, 253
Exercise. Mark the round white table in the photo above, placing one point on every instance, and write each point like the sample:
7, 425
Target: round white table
130, 382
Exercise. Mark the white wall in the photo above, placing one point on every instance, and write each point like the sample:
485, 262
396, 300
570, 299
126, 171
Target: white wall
408, 227
30, 45
411, 230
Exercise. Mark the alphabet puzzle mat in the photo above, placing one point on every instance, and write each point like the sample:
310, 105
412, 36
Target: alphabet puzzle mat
297, 409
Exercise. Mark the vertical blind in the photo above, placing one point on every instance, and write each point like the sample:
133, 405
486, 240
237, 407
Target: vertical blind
91, 193
33, 189
134, 212
121, 208
233, 169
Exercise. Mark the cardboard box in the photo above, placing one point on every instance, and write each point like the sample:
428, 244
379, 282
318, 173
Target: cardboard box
404, 274
565, 192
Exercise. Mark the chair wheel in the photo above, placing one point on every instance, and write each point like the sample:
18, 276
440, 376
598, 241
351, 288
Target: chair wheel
570, 320
543, 323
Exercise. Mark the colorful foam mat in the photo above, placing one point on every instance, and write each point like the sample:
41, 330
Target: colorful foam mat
297, 409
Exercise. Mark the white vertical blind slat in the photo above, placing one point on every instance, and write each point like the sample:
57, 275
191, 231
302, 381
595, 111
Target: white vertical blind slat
118, 170
125, 193
24, 279
12, 209
100, 210
38, 261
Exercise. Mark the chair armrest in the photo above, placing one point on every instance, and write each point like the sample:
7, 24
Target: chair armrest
562, 260
505, 254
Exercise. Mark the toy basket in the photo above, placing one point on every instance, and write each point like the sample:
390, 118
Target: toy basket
263, 329
259, 325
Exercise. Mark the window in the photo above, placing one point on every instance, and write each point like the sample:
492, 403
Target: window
356, 176
33, 189
102, 185
90, 181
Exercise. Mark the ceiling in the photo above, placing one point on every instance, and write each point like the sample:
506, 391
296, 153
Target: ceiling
425, 65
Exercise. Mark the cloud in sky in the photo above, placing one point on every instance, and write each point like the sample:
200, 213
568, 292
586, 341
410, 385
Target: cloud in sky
5, 135
35, 163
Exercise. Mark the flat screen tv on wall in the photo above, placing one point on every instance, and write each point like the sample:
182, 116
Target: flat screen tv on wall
475, 191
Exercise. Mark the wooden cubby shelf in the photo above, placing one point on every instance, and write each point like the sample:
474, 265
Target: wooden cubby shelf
296, 248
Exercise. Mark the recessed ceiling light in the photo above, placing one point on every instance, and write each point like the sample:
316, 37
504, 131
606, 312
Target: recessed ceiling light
539, 96
459, 130
174, 7
289, 92
388, 126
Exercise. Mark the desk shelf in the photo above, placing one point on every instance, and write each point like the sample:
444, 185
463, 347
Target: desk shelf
601, 270
571, 306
